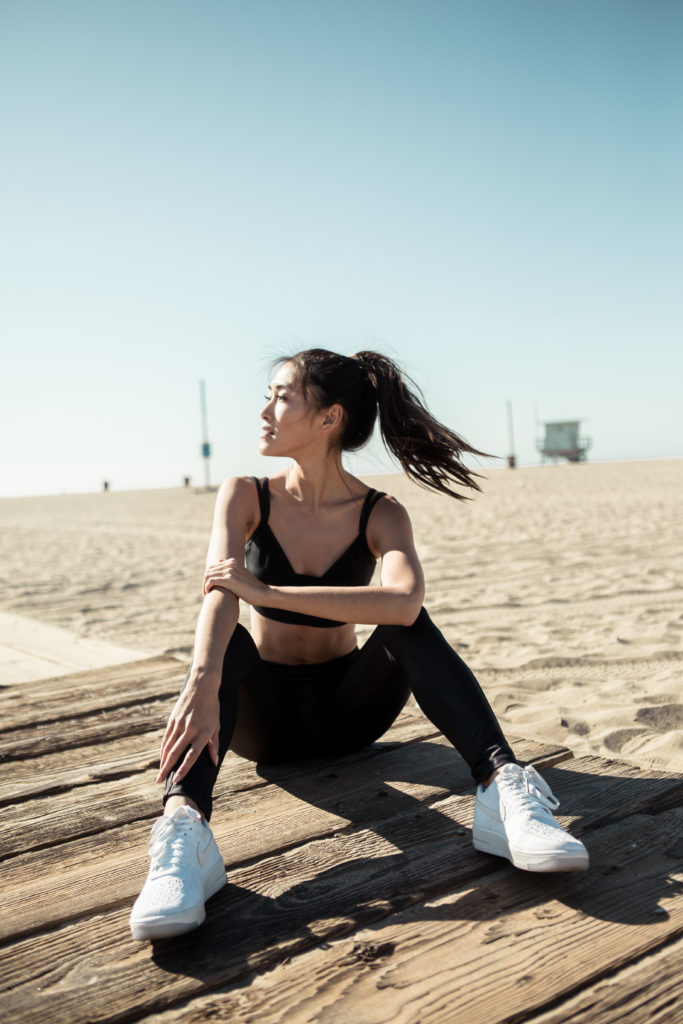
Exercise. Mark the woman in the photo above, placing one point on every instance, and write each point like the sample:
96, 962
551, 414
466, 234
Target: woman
297, 685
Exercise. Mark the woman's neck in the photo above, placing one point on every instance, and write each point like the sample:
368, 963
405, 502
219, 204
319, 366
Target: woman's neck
316, 481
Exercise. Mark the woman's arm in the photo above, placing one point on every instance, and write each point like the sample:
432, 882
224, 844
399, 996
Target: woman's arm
195, 720
397, 601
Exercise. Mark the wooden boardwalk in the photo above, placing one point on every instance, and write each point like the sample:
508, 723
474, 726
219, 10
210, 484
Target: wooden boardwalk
354, 893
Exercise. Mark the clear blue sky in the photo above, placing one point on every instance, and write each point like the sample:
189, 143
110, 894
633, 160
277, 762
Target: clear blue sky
489, 191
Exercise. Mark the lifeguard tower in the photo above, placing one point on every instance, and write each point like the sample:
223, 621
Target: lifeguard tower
563, 441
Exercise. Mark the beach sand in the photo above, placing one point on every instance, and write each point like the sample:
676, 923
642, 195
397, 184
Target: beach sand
560, 586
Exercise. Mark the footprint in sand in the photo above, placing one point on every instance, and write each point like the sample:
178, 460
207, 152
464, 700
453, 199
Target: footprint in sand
614, 741
575, 725
664, 717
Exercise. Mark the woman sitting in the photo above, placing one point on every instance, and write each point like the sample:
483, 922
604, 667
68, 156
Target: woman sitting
301, 548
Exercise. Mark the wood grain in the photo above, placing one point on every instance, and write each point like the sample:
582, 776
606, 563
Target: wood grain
512, 941
494, 952
645, 992
108, 867
354, 893
71, 696
78, 766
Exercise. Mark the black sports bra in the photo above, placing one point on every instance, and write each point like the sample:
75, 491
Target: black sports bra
268, 562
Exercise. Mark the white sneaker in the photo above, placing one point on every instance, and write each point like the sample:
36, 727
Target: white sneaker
186, 870
513, 818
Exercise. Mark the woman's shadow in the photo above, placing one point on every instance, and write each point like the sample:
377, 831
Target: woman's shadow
398, 852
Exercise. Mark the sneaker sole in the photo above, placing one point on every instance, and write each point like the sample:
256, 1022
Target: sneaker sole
167, 927
545, 862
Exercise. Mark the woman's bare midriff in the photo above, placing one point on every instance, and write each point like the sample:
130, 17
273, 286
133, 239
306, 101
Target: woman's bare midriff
300, 645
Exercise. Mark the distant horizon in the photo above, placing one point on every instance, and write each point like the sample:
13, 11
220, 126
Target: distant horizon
213, 487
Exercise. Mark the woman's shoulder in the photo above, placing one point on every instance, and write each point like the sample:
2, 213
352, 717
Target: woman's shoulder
237, 487
388, 508
389, 526
238, 496
235, 515
387, 512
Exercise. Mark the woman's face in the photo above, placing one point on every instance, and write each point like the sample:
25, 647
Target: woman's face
288, 422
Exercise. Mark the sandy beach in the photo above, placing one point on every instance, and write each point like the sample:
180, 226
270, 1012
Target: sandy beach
559, 585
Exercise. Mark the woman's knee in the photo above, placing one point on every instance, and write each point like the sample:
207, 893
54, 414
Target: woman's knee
396, 635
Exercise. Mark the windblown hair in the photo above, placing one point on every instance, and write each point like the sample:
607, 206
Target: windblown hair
367, 383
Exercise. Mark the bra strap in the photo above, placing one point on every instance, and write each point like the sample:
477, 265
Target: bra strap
371, 499
263, 497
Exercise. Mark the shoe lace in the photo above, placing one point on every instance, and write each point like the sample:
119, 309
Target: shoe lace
168, 842
530, 792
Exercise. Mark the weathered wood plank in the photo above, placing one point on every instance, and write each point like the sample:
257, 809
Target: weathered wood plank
98, 727
79, 766
83, 765
35, 824
41, 822
95, 689
277, 819
237, 777
511, 941
649, 991
494, 952
108, 869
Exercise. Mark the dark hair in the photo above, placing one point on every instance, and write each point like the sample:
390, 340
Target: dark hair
367, 382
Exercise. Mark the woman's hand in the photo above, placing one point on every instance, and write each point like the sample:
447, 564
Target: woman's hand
231, 575
193, 724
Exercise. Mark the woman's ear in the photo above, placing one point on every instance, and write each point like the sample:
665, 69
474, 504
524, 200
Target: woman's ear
332, 417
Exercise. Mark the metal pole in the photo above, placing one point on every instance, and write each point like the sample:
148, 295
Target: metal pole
511, 457
206, 447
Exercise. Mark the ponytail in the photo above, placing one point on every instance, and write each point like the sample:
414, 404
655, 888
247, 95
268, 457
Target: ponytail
427, 451
367, 383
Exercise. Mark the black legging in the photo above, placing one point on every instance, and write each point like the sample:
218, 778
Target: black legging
271, 712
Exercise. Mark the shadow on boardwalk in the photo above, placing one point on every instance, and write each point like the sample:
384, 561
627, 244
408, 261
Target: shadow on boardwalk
611, 812
354, 892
